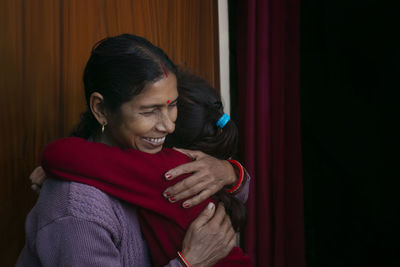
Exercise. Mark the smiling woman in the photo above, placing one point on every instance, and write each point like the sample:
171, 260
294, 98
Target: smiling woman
143, 122
131, 95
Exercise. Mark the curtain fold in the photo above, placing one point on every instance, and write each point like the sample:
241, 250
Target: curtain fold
269, 118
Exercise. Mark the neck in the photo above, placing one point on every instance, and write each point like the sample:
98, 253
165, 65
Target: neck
103, 138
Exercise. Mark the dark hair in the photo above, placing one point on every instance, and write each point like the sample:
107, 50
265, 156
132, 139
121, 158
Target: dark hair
119, 68
199, 109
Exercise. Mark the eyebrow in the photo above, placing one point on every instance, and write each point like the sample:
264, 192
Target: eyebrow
158, 105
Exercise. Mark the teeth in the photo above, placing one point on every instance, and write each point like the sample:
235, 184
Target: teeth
156, 140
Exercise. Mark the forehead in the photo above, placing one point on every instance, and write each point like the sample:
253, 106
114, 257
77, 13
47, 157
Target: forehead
157, 93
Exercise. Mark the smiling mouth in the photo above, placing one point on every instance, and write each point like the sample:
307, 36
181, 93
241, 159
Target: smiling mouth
154, 141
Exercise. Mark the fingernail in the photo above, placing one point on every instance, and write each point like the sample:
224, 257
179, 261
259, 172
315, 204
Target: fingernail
186, 205
168, 176
166, 194
210, 206
172, 199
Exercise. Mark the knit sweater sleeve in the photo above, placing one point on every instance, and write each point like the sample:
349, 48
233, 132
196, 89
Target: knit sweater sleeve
174, 263
71, 241
243, 191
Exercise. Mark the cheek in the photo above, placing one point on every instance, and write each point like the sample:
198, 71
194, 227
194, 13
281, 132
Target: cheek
139, 127
173, 114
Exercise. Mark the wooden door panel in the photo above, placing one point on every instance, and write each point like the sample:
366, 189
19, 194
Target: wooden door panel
29, 114
177, 26
43, 49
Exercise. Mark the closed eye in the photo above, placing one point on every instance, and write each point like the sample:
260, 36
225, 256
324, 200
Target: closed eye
173, 103
148, 113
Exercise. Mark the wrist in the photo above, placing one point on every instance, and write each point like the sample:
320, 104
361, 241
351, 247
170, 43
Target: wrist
183, 260
232, 176
186, 259
239, 175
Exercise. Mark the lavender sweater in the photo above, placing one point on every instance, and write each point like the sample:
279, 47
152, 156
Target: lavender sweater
74, 224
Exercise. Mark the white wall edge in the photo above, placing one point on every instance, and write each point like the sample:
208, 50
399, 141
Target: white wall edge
223, 29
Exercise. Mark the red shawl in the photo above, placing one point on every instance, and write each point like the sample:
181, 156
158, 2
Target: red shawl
138, 178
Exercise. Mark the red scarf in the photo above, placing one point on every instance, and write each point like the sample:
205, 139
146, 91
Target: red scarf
138, 178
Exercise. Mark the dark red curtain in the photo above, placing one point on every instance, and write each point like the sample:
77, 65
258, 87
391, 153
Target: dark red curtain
269, 116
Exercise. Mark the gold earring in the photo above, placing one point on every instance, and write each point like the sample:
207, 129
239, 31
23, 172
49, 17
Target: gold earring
102, 128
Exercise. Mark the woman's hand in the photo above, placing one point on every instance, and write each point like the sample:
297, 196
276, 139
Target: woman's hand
209, 238
37, 178
209, 176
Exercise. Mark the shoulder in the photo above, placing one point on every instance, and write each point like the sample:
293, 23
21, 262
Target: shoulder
70, 241
91, 204
71, 221
63, 199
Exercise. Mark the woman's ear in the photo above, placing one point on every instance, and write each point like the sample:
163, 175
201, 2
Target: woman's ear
98, 109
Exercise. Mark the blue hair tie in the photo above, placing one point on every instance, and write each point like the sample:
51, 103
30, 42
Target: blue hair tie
223, 120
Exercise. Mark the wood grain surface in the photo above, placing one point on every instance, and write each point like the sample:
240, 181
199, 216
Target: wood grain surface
44, 46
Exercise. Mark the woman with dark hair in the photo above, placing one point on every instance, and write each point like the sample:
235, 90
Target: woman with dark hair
131, 93
163, 225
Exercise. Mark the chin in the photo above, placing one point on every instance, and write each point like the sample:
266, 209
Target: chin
151, 151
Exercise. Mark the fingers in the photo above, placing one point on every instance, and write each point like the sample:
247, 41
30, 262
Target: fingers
188, 187
196, 186
231, 243
209, 239
205, 194
227, 227
208, 176
204, 217
183, 169
194, 154
229, 233
219, 215
192, 183
225, 232
37, 176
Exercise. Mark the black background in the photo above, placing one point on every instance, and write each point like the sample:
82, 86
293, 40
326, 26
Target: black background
350, 71
350, 54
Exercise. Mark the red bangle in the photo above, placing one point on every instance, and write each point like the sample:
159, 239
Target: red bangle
241, 176
184, 261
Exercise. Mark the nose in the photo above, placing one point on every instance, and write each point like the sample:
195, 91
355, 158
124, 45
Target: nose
166, 123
